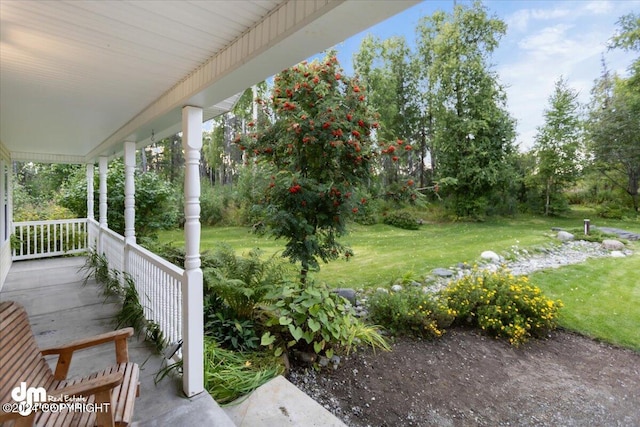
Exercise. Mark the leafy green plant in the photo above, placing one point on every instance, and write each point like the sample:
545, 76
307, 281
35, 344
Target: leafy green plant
401, 219
410, 312
15, 242
312, 318
233, 334
503, 305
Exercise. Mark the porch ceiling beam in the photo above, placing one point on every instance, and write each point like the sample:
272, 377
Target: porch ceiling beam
18, 156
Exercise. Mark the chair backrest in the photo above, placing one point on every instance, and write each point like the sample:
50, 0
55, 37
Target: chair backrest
20, 358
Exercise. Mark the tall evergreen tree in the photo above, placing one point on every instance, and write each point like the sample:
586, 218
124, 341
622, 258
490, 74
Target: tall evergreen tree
472, 131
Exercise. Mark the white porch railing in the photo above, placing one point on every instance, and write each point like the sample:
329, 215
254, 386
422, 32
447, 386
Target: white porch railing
41, 239
159, 286
111, 244
157, 281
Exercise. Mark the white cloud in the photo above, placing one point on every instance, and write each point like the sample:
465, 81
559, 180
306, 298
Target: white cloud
548, 41
521, 19
552, 43
599, 7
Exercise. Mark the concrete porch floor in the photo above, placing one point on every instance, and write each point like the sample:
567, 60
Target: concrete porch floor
61, 309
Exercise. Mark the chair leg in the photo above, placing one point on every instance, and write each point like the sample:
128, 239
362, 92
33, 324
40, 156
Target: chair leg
104, 418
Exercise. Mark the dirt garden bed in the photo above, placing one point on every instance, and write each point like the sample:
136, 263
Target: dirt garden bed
468, 379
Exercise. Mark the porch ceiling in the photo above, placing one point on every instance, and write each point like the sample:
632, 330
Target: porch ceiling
78, 78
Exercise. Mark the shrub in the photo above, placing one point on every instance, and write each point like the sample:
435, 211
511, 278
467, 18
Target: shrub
223, 324
311, 318
410, 312
401, 219
212, 205
503, 305
595, 235
156, 207
611, 210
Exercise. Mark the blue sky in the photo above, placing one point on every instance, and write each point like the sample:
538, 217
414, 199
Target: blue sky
545, 39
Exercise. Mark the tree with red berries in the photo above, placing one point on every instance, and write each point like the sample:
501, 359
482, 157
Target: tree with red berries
318, 151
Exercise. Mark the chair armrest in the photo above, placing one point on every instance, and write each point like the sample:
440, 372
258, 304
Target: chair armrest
65, 352
91, 341
90, 387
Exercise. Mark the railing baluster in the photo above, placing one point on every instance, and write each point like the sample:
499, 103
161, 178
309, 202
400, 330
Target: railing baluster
55, 239
28, 240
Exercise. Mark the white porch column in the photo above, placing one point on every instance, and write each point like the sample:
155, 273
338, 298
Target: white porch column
192, 298
102, 201
129, 192
4, 231
90, 209
103, 191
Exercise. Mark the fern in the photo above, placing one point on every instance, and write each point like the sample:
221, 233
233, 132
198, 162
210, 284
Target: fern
241, 282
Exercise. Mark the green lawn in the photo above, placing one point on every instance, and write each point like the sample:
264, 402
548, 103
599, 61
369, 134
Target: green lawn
602, 297
384, 253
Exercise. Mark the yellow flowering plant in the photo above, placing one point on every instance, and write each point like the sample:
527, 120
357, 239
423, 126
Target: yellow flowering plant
502, 304
410, 312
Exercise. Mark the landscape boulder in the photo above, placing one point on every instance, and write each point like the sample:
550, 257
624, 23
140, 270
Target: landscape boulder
348, 294
490, 256
613, 245
565, 236
442, 272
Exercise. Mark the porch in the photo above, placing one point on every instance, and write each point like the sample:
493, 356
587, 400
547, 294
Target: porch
61, 309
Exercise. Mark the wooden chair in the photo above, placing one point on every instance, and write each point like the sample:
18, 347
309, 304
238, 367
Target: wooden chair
113, 389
